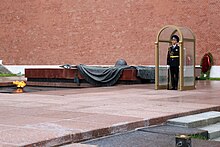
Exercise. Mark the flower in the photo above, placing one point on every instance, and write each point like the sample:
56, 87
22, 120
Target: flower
206, 62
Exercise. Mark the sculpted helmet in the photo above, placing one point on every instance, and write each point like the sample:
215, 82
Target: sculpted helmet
121, 62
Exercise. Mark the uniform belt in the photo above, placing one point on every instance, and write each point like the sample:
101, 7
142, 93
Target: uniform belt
174, 56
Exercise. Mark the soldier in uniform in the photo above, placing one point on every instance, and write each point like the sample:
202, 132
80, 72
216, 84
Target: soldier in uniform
173, 61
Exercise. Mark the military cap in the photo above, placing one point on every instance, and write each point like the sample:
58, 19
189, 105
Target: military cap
175, 37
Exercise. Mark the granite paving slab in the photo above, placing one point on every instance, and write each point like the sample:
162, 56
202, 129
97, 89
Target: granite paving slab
61, 116
204, 143
78, 145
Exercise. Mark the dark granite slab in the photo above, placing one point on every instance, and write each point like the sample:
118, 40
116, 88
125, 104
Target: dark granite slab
135, 139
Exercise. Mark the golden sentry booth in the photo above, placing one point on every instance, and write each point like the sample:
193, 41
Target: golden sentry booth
186, 59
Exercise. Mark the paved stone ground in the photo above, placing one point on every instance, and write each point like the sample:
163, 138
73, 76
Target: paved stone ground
46, 118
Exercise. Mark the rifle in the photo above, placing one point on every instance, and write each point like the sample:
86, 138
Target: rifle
168, 79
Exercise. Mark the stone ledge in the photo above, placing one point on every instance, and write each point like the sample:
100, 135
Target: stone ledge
5, 84
214, 72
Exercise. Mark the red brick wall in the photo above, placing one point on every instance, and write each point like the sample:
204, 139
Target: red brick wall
100, 31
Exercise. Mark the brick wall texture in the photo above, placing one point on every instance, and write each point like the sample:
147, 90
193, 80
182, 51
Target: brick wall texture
99, 32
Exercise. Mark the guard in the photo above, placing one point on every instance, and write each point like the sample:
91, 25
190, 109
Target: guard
173, 61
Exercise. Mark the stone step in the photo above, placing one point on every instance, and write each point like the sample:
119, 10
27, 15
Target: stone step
213, 130
175, 130
216, 139
196, 120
